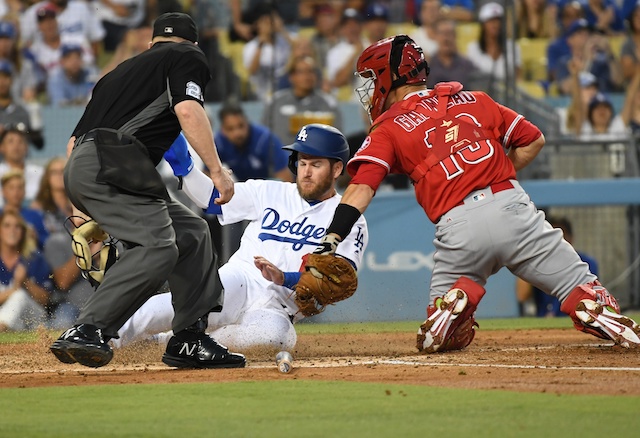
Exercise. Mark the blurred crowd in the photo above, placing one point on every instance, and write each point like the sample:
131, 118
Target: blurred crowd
298, 58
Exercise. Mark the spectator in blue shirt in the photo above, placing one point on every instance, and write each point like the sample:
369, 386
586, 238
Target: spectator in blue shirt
568, 13
250, 150
24, 276
71, 82
13, 193
604, 16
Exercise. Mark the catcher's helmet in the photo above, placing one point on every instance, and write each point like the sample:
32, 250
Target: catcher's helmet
386, 65
318, 140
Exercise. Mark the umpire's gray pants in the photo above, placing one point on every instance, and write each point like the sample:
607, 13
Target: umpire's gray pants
167, 242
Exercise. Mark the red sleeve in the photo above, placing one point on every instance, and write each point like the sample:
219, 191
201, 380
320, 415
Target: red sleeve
516, 131
370, 174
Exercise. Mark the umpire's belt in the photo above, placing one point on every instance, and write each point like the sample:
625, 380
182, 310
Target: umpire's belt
93, 134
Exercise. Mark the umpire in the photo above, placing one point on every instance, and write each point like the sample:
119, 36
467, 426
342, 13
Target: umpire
134, 115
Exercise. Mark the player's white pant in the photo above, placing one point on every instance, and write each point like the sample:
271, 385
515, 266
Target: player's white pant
251, 315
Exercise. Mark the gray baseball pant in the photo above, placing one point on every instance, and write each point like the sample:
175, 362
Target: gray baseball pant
166, 241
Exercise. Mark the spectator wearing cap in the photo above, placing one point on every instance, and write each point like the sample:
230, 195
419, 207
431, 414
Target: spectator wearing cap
14, 149
425, 34
342, 58
567, 13
376, 22
13, 113
447, 64
325, 35
71, 82
117, 16
13, 193
601, 122
302, 104
77, 22
593, 53
604, 16
9, 52
592, 119
629, 59
46, 51
266, 55
488, 52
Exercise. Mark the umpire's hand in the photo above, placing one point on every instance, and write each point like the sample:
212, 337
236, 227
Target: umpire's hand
224, 183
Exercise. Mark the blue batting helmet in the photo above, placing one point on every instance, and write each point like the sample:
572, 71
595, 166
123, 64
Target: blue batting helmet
319, 141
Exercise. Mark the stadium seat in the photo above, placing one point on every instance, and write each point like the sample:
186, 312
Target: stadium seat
465, 33
306, 32
534, 58
616, 43
401, 29
533, 89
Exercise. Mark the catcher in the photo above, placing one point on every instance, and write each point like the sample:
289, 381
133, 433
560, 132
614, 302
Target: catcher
272, 281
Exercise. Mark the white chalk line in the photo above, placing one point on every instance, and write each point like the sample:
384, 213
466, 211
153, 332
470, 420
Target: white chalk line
338, 362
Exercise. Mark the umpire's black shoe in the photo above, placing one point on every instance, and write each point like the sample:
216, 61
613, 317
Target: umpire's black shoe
200, 351
85, 344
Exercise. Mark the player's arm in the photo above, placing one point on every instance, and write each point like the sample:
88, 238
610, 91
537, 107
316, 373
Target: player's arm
355, 201
522, 156
197, 129
274, 274
523, 139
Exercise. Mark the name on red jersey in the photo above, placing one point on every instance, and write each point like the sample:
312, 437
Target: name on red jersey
413, 119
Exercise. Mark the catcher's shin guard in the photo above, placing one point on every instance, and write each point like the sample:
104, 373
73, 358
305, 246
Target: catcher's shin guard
450, 324
595, 311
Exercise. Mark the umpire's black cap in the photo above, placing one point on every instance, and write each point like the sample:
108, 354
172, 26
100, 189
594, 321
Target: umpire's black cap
176, 24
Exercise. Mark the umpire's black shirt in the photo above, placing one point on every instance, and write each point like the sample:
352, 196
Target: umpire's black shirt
154, 81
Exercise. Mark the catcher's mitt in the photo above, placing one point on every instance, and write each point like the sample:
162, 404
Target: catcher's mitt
326, 279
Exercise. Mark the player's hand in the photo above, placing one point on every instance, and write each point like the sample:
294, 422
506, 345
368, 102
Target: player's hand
328, 245
269, 270
224, 184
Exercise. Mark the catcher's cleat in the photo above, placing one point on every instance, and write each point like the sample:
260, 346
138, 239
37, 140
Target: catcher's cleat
608, 324
84, 344
439, 327
200, 352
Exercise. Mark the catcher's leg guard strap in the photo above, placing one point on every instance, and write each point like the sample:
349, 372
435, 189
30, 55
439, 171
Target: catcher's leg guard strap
590, 291
445, 329
474, 291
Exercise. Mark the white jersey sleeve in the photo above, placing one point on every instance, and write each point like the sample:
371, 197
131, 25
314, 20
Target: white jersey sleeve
245, 203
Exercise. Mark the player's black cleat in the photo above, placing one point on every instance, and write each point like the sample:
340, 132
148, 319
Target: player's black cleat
200, 352
85, 344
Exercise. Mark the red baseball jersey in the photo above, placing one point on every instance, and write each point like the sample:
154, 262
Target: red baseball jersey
447, 151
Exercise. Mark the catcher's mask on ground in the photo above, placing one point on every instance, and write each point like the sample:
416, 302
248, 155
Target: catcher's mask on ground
318, 140
386, 65
93, 264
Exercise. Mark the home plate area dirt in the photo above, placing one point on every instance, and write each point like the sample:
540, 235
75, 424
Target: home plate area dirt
561, 361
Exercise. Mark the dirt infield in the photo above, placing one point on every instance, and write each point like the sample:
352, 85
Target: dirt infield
556, 361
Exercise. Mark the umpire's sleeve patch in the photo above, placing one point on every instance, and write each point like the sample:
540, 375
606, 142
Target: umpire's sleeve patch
194, 91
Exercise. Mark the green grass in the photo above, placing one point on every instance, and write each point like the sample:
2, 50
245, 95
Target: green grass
291, 408
299, 408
